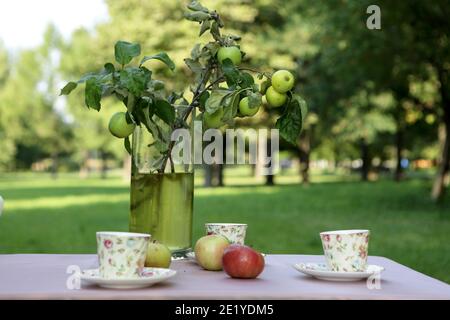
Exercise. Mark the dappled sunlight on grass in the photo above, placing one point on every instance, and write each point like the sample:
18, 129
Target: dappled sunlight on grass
64, 201
62, 216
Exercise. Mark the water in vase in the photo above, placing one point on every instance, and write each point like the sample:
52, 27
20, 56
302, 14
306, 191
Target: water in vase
161, 204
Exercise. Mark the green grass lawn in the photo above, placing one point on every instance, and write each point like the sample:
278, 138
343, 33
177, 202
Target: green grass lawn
61, 216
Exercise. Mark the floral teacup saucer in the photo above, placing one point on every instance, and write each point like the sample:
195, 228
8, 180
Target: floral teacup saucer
149, 277
321, 271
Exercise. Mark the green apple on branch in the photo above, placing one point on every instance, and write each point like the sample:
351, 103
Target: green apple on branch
233, 53
222, 89
119, 126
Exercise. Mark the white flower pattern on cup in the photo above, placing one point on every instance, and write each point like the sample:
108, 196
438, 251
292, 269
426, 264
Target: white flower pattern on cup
346, 252
121, 256
235, 233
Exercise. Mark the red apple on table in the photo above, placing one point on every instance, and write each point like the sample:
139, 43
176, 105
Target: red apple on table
243, 262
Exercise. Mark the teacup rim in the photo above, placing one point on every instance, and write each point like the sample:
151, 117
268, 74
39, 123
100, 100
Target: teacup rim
123, 234
225, 224
345, 232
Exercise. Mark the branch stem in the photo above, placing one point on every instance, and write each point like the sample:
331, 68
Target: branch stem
197, 93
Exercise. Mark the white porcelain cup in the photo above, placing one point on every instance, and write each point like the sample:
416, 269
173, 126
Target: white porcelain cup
1, 205
234, 232
346, 250
121, 254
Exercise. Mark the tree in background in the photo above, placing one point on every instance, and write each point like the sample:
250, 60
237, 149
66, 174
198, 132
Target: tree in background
412, 47
28, 101
152, 24
7, 131
91, 137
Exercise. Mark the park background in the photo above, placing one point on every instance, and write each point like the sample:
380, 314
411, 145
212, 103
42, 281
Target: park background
374, 152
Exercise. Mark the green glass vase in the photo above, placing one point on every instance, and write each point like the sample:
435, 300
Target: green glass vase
161, 200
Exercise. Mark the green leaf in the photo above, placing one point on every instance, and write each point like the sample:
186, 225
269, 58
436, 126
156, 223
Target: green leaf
210, 49
204, 27
194, 65
93, 94
165, 111
127, 144
107, 90
231, 106
203, 98
162, 56
134, 79
195, 52
303, 106
215, 31
125, 51
246, 80
87, 76
173, 97
161, 146
264, 86
196, 6
130, 103
254, 100
291, 122
155, 85
109, 68
215, 100
230, 72
68, 88
198, 16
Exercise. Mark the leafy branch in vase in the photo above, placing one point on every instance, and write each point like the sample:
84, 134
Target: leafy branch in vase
222, 89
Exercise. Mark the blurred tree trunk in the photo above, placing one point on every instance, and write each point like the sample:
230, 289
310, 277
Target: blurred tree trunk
399, 139
304, 151
270, 181
220, 175
104, 165
54, 169
126, 172
208, 175
220, 165
443, 166
84, 169
365, 160
213, 175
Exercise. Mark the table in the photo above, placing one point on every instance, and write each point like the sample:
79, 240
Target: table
44, 276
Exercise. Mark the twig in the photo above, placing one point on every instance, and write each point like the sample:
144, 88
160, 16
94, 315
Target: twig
268, 75
192, 105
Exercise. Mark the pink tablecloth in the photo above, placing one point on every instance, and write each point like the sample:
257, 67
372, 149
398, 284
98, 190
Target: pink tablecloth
45, 276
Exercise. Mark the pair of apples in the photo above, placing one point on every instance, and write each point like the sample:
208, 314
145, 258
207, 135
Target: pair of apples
214, 253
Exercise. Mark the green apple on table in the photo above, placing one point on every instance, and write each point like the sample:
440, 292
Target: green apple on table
209, 251
158, 255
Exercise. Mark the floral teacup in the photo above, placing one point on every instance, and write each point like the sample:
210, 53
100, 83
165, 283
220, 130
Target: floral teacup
234, 232
346, 250
121, 254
